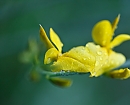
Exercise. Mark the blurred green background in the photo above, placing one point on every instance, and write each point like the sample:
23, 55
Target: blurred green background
72, 20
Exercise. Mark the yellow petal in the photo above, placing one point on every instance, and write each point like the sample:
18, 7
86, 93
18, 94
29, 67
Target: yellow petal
120, 74
82, 55
119, 39
45, 39
91, 55
56, 40
114, 60
68, 64
51, 55
114, 24
102, 33
61, 82
100, 55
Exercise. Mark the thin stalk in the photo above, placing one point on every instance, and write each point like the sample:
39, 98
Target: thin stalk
42, 71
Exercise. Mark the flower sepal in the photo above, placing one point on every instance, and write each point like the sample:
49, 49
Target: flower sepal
119, 74
60, 82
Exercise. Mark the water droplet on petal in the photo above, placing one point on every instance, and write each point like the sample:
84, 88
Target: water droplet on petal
97, 46
87, 45
82, 48
97, 63
105, 54
105, 63
99, 52
84, 58
101, 65
100, 58
67, 65
112, 62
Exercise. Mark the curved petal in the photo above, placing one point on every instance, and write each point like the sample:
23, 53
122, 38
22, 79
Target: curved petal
115, 22
102, 33
114, 60
81, 54
51, 55
100, 55
45, 39
61, 82
120, 74
119, 39
56, 40
68, 64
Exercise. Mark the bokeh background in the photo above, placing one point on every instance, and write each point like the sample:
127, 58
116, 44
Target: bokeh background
72, 20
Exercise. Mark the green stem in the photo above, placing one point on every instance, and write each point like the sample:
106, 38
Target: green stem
42, 71
61, 73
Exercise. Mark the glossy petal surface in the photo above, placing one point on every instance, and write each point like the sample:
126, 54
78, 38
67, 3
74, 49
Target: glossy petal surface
68, 64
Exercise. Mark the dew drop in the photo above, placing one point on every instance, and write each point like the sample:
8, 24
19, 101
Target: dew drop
62, 72
82, 48
93, 73
89, 58
68, 71
101, 65
100, 58
87, 45
84, 58
99, 52
105, 54
97, 46
67, 65
112, 62
97, 63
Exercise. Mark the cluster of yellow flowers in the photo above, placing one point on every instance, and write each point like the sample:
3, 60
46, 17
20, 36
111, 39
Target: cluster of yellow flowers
95, 57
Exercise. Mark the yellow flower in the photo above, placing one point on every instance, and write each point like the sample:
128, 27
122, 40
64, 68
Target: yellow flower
96, 59
102, 34
79, 59
55, 57
53, 51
